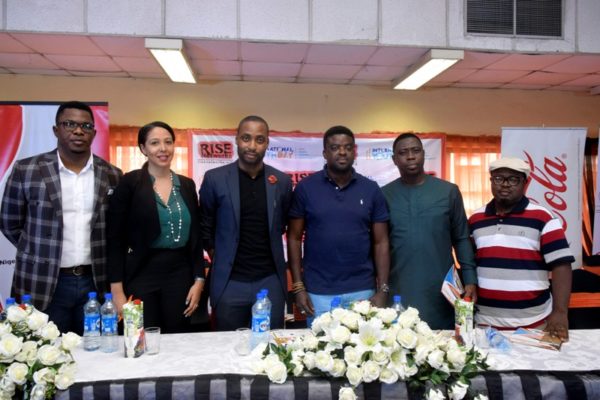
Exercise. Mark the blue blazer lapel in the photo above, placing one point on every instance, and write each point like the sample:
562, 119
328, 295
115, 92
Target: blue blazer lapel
49, 171
233, 181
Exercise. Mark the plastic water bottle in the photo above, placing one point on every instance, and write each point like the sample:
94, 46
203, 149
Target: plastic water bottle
108, 313
91, 323
497, 340
26, 301
336, 302
398, 306
261, 321
267, 300
10, 301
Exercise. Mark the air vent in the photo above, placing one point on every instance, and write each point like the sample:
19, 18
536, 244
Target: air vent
515, 17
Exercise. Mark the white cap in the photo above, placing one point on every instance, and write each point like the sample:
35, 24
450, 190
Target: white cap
516, 164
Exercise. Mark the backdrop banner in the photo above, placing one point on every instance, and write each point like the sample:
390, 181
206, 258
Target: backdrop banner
556, 157
301, 154
27, 131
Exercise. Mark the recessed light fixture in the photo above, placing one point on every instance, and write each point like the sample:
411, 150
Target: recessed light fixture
170, 56
433, 63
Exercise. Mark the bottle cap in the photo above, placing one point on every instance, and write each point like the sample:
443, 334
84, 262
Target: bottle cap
10, 301
108, 296
397, 298
92, 295
137, 302
467, 298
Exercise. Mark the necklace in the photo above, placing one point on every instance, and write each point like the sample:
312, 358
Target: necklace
177, 237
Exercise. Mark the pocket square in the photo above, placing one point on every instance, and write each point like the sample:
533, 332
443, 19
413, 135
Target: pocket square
110, 191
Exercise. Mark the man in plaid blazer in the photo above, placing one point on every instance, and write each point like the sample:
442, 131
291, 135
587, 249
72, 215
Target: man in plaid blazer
54, 212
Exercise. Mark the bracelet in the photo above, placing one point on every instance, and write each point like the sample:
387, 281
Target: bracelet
298, 287
199, 279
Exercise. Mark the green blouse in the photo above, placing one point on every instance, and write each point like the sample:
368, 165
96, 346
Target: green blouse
174, 217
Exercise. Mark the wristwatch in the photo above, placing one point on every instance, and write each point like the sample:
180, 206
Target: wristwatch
384, 288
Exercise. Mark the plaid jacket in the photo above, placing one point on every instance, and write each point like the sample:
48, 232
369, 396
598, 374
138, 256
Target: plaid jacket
31, 218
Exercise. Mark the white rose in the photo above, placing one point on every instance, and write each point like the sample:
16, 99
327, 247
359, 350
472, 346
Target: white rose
310, 342
341, 334
421, 353
10, 344
338, 369
63, 381
388, 376
407, 338
16, 314
436, 358
323, 361
481, 396
48, 354
458, 391
408, 318
387, 315
17, 372
320, 322
347, 393
68, 369
44, 375
5, 328
38, 392
423, 329
309, 360
36, 320
350, 319
404, 371
7, 386
354, 374
351, 356
435, 394
362, 307
277, 372
298, 366
389, 336
28, 352
50, 332
380, 357
70, 340
371, 371
338, 314
270, 360
457, 358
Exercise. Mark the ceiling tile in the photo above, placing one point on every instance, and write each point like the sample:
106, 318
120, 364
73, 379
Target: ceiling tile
224, 50
60, 44
591, 80
278, 79
333, 72
332, 54
107, 74
492, 76
328, 81
10, 45
221, 68
119, 46
396, 56
84, 63
273, 52
217, 78
546, 78
138, 64
55, 72
527, 62
476, 60
577, 65
453, 75
28, 61
372, 72
270, 69
148, 75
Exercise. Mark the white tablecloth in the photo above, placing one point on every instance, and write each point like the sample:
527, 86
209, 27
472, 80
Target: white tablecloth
212, 353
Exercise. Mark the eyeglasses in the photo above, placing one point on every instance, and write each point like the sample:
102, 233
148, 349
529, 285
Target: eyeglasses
69, 125
512, 180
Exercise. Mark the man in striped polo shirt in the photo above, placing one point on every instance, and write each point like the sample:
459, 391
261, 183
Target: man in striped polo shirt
518, 244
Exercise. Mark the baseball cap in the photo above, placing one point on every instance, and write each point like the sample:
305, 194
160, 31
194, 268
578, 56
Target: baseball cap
516, 164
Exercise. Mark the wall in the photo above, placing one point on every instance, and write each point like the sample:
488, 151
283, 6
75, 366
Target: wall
313, 108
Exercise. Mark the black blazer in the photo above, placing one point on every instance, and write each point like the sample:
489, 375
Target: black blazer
133, 225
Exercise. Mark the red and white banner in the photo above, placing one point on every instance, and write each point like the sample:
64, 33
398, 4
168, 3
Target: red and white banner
301, 154
556, 157
26, 131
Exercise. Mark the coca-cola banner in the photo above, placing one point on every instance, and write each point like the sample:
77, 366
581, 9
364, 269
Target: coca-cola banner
26, 131
555, 156
301, 154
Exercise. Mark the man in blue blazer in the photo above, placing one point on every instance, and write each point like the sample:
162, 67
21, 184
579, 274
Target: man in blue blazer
244, 209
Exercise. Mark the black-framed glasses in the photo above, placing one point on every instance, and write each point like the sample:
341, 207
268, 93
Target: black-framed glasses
512, 180
69, 125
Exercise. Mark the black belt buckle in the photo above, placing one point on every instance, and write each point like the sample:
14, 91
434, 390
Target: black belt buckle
78, 270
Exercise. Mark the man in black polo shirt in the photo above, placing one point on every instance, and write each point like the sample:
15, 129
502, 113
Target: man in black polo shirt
244, 214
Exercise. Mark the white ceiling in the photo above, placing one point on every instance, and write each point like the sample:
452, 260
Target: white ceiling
215, 60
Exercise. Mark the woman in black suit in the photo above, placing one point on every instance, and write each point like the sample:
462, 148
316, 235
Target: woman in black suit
154, 250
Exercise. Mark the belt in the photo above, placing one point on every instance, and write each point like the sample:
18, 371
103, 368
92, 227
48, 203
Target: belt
77, 270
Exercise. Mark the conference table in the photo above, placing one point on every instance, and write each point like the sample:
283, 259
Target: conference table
205, 366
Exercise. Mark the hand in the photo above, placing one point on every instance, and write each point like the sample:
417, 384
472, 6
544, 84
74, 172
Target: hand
557, 324
119, 300
193, 298
304, 304
471, 291
379, 299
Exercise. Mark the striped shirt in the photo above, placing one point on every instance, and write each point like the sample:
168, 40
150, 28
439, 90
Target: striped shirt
514, 254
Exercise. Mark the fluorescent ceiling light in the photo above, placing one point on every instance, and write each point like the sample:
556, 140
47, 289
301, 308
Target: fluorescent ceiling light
169, 54
433, 63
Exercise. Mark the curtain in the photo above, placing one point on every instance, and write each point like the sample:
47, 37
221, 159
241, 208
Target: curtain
125, 154
588, 192
467, 162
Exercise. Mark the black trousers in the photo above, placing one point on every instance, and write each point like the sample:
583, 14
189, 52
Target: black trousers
163, 285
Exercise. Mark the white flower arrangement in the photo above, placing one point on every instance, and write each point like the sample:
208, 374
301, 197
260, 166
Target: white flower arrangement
368, 344
34, 360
